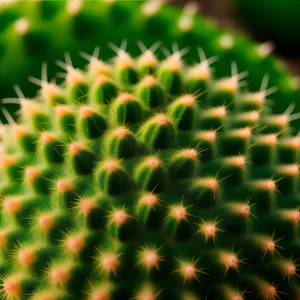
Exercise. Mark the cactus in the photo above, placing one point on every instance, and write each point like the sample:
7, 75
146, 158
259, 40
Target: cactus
149, 179
33, 32
273, 20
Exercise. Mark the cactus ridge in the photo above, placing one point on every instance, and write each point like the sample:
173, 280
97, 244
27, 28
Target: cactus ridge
32, 32
148, 179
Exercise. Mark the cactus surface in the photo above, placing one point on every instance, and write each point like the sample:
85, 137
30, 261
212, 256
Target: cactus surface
33, 32
273, 20
149, 179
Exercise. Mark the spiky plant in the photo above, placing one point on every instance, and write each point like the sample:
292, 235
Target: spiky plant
33, 32
273, 20
146, 179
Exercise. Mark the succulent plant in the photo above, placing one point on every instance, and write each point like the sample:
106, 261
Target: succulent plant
273, 20
149, 179
33, 32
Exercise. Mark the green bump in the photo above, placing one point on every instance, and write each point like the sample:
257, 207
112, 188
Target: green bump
121, 143
150, 175
158, 132
150, 92
126, 109
112, 178
103, 91
91, 122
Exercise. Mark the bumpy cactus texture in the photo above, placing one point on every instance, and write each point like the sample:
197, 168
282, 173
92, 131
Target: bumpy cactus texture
274, 20
33, 32
146, 179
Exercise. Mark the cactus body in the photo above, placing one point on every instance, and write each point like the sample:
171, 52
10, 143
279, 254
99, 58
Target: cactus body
156, 193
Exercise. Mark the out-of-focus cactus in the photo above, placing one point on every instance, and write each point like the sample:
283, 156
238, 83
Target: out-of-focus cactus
147, 179
33, 32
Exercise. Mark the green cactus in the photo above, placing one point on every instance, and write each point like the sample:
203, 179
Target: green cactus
274, 20
33, 32
128, 181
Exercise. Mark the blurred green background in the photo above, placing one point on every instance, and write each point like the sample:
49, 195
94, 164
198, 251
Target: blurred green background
277, 21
